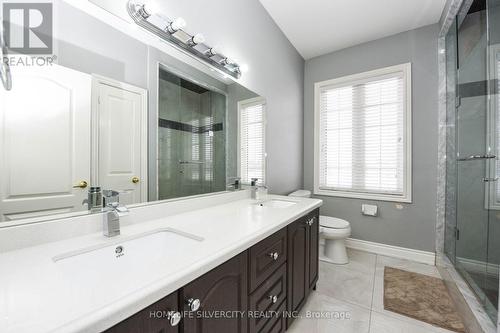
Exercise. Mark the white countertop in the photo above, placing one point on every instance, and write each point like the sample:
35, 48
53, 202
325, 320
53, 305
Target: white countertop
38, 294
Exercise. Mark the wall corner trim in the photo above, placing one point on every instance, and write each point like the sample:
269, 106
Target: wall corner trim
424, 257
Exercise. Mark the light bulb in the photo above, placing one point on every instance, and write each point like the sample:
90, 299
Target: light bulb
196, 39
176, 25
244, 68
226, 61
212, 51
144, 12
153, 6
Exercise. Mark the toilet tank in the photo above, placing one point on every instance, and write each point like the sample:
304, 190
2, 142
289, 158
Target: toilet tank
301, 193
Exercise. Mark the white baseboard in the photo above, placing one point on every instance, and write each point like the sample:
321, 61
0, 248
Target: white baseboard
424, 257
476, 266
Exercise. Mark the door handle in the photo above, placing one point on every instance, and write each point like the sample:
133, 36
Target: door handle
81, 184
135, 180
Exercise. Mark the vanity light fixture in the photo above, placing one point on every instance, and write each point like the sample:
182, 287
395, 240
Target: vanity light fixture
226, 61
173, 32
196, 39
211, 52
176, 25
143, 12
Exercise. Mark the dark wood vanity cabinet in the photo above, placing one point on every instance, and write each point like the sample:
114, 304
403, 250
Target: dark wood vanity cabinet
303, 261
313, 223
253, 290
221, 293
153, 319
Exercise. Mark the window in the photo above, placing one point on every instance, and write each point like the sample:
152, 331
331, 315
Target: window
252, 156
363, 135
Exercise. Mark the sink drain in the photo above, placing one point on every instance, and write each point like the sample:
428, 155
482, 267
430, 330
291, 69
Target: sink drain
119, 251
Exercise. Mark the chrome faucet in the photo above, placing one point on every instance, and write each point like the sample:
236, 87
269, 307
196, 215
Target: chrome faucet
236, 185
94, 199
112, 213
254, 187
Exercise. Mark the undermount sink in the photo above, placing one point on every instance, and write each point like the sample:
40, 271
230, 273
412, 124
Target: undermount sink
276, 203
125, 261
149, 245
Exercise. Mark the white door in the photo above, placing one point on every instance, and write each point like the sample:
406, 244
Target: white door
44, 142
120, 147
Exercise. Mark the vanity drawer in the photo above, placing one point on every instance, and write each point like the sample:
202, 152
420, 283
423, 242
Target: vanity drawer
266, 257
268, 297
276, 324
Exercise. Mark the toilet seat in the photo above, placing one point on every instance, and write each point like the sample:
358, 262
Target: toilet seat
333, 222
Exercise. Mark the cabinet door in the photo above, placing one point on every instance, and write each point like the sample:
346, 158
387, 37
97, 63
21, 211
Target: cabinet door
313, 222
157, 317
225, 288
297, 265
153, 319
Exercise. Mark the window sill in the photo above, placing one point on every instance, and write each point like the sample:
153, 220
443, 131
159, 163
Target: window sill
365, 196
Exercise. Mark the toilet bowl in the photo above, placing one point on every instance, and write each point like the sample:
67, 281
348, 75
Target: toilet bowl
333, 233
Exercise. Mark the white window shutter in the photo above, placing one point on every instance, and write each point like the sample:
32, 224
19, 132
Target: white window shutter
362, 135
252, 140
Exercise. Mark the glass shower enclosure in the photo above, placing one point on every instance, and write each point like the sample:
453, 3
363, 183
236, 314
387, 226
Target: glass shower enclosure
472, 233
191, 138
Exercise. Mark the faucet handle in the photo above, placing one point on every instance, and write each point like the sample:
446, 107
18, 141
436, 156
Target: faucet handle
122, 211
253, 181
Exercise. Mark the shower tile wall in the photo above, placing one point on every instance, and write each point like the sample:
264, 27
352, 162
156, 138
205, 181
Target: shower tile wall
190, 161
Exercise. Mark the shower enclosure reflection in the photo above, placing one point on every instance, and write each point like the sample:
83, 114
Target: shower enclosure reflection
191, 138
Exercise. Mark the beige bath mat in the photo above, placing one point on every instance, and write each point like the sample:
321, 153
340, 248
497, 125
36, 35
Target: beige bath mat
420, 297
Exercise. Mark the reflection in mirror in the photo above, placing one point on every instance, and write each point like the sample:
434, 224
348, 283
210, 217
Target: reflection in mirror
71, 130
192, 138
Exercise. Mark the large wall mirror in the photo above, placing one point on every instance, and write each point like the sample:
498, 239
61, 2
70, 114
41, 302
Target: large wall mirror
117, 113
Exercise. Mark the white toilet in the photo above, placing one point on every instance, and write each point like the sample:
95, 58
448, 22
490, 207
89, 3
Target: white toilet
333, 233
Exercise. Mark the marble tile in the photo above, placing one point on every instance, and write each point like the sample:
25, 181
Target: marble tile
407, 265
361, 261
378, 289
346, 284
380, 323
338, 316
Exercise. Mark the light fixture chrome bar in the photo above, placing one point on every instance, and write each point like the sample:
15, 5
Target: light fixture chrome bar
139, 13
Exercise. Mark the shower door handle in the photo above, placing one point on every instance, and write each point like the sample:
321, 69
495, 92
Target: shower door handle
477, 157
487, 180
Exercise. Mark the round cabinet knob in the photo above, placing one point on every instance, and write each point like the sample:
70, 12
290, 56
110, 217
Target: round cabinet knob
193, 304
174, 317
135, 180
81, 184
273, 299
274, 255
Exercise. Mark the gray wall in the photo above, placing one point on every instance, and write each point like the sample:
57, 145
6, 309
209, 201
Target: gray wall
247, 34
244, 30
413, 226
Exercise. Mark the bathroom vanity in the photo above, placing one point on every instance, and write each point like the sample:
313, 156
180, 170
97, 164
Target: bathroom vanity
251, 287
176, 260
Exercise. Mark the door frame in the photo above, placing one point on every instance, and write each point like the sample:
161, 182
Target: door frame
98, 80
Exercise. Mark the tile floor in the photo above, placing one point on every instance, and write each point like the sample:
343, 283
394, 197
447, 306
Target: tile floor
352, 297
